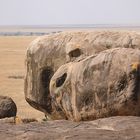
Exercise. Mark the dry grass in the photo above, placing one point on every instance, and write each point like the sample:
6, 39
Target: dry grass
12, 55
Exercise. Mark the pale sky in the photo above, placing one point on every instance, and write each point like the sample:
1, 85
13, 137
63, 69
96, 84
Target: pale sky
44, 12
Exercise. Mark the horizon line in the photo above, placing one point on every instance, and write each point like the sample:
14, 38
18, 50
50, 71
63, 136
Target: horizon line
74, 25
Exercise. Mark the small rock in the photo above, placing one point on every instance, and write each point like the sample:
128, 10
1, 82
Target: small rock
7, 107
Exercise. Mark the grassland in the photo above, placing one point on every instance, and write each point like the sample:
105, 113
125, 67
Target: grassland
12, 70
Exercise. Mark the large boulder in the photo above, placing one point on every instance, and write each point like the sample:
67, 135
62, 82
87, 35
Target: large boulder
8, 107
46, 54
101, 85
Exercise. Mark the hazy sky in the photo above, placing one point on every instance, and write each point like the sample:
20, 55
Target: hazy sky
43, 12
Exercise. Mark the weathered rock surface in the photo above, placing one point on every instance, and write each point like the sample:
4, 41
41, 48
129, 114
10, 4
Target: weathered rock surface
7, 107
114, 128
46, 54
101, 85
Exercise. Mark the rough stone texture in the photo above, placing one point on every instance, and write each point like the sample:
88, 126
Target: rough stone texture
17, 120
114, 128
46, 54
7, 107
101, 85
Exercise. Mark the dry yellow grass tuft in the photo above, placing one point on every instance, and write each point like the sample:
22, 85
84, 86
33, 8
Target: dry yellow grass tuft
17, 120
135, 66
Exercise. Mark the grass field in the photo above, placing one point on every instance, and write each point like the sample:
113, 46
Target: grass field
12, 68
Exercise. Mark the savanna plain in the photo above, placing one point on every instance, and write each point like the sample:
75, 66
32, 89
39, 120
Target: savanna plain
12, 71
